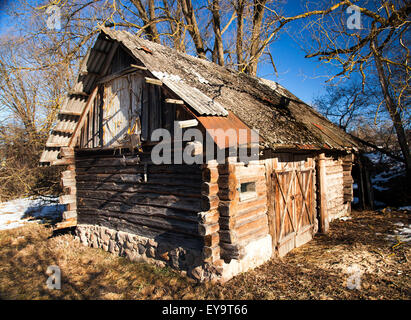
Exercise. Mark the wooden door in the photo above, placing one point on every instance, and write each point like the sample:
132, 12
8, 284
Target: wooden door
293, 187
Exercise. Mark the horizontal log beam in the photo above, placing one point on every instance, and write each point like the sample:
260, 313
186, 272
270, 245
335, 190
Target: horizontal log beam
174, 101
156, 200
187, 123
181, 191
88, 204
156, 223
154, 81
67, 198
154, 179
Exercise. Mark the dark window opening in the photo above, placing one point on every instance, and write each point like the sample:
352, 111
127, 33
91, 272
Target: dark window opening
247, 191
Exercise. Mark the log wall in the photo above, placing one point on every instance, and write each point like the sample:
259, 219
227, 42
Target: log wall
338, 185
161, 202
241, 221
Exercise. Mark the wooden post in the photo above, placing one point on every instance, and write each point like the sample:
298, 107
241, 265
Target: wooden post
370, 195
361, 186
269, 167
322, 186
366, 193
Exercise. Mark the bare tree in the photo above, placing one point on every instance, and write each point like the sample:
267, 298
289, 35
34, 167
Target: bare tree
206, 29
348, 105
380, 44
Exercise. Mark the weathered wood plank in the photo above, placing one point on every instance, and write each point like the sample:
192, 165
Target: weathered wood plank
182, 191
145, 210
126, 223
154, 81
156, 179
174, 101
156, 222
169, 201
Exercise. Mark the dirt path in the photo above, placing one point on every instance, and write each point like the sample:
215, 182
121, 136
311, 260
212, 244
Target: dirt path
361, 253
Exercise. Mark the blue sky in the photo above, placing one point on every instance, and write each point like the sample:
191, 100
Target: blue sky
303, 77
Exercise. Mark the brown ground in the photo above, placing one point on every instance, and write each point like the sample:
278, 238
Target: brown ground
317, 270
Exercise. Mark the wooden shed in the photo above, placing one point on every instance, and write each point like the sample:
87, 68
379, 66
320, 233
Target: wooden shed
214, 217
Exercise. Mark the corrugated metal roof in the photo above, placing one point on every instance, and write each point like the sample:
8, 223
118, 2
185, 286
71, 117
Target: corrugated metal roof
197, 100
74, 103
211, 91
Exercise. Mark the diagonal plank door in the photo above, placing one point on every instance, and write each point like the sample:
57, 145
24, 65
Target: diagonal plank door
294, 203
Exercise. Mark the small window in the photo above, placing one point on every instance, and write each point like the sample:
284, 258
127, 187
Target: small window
247, 191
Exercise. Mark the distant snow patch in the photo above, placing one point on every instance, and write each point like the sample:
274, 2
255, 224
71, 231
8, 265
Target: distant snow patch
402, 233
16, 213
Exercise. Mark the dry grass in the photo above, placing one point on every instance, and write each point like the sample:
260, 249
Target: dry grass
317, 270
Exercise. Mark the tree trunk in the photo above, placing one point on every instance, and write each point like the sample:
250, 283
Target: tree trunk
175, 27
258, 15
392, 109
239, 8
188, 11
151, 28
218, 51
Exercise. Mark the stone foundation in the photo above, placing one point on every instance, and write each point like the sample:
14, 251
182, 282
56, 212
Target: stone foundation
188, 260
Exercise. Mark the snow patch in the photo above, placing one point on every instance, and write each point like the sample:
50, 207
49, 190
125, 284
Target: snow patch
379, 188
402, 233
16, 213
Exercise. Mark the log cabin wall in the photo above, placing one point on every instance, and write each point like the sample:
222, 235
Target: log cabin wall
244, 237
338, 185
159, 206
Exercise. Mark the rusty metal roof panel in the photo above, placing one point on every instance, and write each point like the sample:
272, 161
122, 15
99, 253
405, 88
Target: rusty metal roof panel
222, 130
